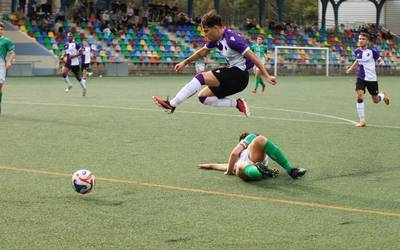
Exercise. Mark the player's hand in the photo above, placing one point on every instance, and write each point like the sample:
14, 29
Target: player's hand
381, 62
8, 65
272, 80
229, 173
179, 67
348, 71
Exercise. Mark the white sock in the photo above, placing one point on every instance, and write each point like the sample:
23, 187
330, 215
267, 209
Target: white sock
67, 81
216, 102
381, 96
83, 83
187, 91
360, 110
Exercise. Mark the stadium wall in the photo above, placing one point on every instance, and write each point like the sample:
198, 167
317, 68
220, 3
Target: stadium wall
353, 13
392, 16
30, 54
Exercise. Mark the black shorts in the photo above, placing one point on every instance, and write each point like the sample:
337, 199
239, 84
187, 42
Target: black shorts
372, 86
85, 66
231, 81
74, 68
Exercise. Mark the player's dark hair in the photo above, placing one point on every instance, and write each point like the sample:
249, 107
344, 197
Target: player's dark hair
365, 34
243, 135
211, 19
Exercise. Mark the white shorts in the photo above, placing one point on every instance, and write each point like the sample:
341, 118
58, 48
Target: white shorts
2, 74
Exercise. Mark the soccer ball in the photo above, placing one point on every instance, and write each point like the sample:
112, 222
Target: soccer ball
83, 181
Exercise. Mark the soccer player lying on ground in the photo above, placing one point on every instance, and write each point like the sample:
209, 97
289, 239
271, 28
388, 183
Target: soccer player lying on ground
221, 82
366, 76
249, 159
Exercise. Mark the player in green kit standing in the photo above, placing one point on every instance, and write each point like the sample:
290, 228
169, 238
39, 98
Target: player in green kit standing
7, 55
261, 51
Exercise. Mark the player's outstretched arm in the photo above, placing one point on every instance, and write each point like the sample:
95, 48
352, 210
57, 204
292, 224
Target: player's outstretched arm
196, 55
214, 166
349, 70
260, 66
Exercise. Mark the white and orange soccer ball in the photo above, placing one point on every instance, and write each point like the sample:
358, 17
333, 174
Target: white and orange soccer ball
83, 181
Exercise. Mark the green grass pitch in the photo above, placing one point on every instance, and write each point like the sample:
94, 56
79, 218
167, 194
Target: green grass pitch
149, 193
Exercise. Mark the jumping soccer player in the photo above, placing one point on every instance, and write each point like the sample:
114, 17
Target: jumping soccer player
73, 51
261, 51
366, 57
7, 55
221, 82
249, 159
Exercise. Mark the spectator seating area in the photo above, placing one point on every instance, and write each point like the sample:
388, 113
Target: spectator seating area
342, 45
153, 44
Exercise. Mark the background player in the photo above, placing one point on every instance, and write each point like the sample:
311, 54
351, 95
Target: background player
366, 57
85, 63
7, 55
73, 51
261, 51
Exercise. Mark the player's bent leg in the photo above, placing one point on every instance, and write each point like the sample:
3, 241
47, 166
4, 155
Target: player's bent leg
207, 97
248, 172
276, 154
256, 149
375, 99
210, 79
384, 97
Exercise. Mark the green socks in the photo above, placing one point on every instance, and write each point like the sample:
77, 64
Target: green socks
276, 154
259, 81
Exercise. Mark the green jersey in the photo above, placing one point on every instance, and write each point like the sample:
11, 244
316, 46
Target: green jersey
259, 50
6, 46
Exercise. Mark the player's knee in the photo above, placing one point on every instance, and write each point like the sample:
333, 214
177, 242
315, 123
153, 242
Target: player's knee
202, 99
200, 78
261, 140
375, 99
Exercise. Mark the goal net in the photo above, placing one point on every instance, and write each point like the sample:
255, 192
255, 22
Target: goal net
309, 60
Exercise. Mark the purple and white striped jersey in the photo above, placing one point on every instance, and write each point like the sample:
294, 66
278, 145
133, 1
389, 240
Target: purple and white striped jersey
232, 46
366, 63
72, 49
